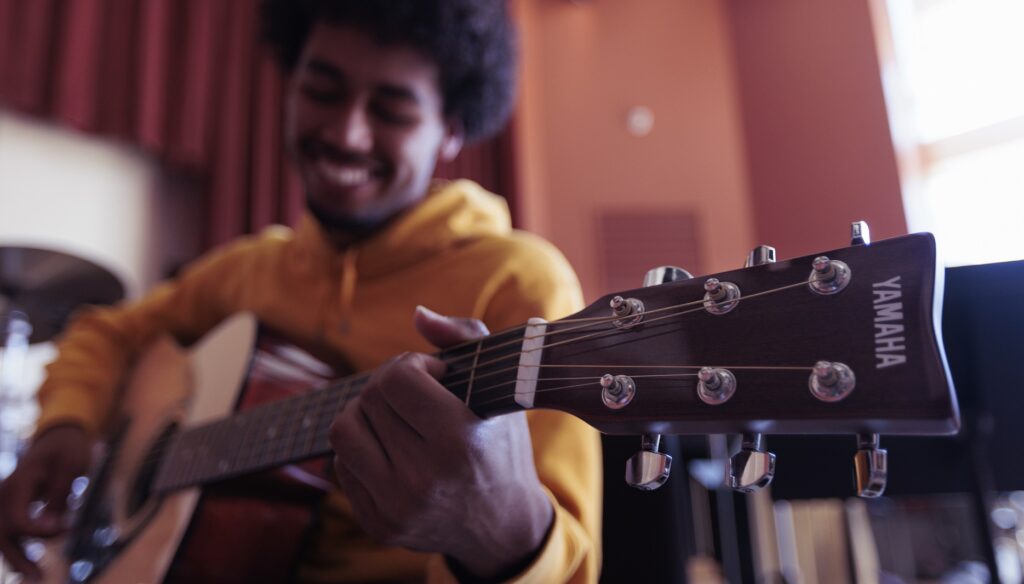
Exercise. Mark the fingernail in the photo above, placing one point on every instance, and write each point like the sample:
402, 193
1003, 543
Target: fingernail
427, 312
476, 328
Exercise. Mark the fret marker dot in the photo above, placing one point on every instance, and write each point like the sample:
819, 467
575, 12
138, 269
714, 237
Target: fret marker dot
306, 422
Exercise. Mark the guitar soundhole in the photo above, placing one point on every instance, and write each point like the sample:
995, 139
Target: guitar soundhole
142, 488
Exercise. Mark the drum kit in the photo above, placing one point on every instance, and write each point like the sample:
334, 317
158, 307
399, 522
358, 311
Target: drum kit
39, 291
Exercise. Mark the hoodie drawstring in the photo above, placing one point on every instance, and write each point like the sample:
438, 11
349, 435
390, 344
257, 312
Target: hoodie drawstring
348, 286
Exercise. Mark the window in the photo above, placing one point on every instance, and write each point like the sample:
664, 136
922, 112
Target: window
954, 77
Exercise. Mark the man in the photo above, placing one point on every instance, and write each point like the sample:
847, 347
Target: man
379, 92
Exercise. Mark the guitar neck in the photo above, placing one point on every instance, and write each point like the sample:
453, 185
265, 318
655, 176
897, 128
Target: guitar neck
843, 344
482, 374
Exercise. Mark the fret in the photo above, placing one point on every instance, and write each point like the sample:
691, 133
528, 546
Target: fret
290, 428
174, 453
202, 454
339, 397
218, 452
287, 430
310, 416
491, 365
269, 436
240, 431
245, 446
472, 371
252, 446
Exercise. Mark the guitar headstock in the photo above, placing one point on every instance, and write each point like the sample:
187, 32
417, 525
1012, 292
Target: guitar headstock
785, 349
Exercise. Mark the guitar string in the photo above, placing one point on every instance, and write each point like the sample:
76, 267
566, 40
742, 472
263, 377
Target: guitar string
608, 333
596, 320
621, 367
350, 383
591, 382
592, 321
594, 383
360, 379
198, 475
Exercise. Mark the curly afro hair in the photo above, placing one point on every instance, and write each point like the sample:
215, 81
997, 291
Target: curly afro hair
473, 43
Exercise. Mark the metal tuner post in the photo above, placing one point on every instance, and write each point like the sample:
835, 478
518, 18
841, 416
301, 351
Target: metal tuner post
648, 469
753, 467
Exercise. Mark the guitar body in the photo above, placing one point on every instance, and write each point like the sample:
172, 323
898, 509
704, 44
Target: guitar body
240, 530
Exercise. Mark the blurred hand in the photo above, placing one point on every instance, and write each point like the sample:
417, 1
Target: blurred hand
44, 474
424, 472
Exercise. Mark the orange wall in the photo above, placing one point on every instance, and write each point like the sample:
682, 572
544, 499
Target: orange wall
770, 123
585, 64
817, 136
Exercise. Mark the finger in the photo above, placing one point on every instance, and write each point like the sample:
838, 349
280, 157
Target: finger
57, 491
13, 518
445, 331
14, 554
358, 445
409, 385
387, 422
20, 491
364, 505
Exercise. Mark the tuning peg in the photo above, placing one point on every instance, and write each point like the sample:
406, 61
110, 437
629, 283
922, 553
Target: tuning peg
752, 467
859, 233
870, 466
648, 469
760, 255
664, 275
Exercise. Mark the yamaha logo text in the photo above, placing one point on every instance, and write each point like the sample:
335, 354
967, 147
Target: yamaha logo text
889, 340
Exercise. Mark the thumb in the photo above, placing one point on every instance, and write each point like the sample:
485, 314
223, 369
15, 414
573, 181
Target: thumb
445, 331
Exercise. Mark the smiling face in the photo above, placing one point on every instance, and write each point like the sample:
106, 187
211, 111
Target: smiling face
365, 125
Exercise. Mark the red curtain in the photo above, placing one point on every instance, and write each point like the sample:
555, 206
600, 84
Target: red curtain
188, 82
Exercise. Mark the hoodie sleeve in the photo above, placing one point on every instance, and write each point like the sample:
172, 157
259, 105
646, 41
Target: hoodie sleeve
99, 345
566, 451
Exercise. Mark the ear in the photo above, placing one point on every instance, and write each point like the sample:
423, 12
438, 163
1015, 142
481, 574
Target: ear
453, 140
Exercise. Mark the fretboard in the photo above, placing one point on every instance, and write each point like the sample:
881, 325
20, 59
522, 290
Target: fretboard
481, 374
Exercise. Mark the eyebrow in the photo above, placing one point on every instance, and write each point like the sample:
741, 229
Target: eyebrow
389, 90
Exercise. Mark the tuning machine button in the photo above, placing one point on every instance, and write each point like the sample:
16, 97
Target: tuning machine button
870, 466
859, 233
648, 469
760, 255
829, 276
751, 468
664, 275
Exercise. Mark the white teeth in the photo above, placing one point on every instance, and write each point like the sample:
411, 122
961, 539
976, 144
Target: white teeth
352, 176
345, 176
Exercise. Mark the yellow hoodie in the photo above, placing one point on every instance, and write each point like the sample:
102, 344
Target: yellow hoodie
455, 253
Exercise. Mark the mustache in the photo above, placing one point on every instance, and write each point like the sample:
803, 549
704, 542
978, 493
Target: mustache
313, 148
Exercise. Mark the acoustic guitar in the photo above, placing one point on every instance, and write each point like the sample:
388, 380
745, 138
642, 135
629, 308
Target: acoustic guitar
843, 342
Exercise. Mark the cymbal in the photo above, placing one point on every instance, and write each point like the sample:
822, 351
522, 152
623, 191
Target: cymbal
49, 285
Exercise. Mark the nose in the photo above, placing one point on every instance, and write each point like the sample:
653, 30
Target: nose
352, 129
